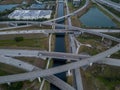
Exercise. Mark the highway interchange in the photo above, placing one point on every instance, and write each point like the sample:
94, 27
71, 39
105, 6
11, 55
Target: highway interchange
28, 67
82, 60
58, 69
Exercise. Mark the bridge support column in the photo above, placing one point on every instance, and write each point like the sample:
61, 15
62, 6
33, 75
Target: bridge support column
39, 79
16, 24
108, 56
80, 33
40, 25
27, 23
102, 38
9, 83
69, 73
52, 26
91, 64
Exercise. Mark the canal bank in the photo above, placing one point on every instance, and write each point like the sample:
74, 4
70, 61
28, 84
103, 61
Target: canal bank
59, 43
95, 18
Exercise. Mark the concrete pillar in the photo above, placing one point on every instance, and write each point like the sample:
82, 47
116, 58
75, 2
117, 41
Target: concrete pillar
69, 73
27, 23
91, 64
108, 56
68, 60
39, 79
16, 24
40, 25
52, 26
102, 38
80, 33
9, 83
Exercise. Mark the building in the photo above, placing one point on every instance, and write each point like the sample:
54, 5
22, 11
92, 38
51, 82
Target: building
30, 14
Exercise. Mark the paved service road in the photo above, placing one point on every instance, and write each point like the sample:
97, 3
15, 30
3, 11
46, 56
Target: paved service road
51, 71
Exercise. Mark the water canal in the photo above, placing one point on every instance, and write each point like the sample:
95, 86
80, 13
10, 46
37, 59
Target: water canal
59, 44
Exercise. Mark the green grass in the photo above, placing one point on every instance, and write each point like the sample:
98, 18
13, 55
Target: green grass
82, 3
46, 86
70, 80
7, 69
96, 42
105, 77
40, 43
109, 82
116, 55
115, 35
15, 86
72, 8
2, 73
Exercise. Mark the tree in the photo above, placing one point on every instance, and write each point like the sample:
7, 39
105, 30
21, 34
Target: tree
18, 39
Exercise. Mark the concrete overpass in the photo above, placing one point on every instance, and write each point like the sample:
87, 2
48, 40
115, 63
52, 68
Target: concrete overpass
110, 61
19, 53
105, 30
34, 53
17, 63
58, 69
28, 67
80, 29
40, 54
47, 31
